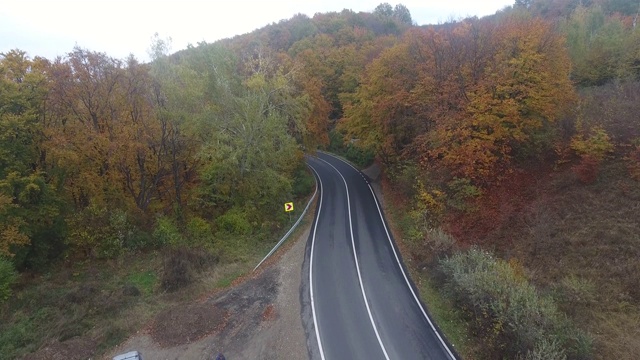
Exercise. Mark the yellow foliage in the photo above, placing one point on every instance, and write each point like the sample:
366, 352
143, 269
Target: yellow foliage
429, 203
11, 235
596, 146
518, 270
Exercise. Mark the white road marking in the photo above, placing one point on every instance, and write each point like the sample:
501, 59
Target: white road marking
355, 256
313, 241
398, 260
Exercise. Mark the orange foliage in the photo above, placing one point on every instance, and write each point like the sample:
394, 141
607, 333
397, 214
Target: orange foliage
463, 96
104, 133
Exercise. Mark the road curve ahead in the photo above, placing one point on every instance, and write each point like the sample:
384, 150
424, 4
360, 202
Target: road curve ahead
363, 304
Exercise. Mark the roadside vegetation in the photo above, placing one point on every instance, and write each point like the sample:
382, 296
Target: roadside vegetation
509, 145
513, 201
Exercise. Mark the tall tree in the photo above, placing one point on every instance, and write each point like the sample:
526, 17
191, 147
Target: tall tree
28, 205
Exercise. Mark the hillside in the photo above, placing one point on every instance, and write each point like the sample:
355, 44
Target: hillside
510, 148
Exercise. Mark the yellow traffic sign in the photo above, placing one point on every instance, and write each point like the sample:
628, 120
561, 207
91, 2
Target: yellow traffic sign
288, 206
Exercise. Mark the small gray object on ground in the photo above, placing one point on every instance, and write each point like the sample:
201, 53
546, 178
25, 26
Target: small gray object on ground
131, 355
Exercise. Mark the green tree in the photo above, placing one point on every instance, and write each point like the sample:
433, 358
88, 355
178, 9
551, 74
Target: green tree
29, 208
251, 155
384, 9
8, 277
403, 14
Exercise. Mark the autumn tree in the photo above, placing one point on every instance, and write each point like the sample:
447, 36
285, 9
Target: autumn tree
603, 46
525, 88
110, 145
378, 116
29, 209
466, 97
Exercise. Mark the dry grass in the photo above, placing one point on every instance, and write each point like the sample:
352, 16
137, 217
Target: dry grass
580, 243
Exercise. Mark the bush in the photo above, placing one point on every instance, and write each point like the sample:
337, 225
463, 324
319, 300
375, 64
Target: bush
587, 169
8, 277
234, 222
546, 350
592, 151
166, 232
181, 266
177, 271
514, 319
439, 241
577, 291
303, 182
118, 234
361, 157
461, 191
199, 232
633, 162
98, 232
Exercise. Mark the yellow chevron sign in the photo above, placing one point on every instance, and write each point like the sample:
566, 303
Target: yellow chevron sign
288, 206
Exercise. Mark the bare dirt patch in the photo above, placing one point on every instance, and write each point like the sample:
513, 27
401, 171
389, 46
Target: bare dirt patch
258, 317
182, 325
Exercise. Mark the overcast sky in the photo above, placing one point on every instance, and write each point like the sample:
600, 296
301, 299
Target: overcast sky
120, 27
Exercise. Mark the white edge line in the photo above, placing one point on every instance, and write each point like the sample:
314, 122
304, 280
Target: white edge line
355, 256
313, 240
398, 260
290, 230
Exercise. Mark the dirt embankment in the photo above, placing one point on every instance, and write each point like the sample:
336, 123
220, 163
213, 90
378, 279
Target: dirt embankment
256, 319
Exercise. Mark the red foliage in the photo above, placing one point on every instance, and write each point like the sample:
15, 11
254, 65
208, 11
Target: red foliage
587, 170
497, 210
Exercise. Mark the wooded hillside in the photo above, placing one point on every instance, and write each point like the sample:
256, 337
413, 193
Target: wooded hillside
100, 156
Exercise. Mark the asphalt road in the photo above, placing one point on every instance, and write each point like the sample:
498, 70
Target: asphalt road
363, 305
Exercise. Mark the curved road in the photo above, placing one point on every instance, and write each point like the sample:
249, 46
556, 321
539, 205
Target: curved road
363, 305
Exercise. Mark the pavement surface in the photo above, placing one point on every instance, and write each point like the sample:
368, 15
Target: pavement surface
362, 304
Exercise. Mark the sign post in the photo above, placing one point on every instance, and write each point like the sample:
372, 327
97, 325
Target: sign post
288, 207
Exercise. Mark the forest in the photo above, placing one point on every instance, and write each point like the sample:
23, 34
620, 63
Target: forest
509, 146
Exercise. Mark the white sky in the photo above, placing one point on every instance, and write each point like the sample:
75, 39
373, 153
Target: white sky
120, 27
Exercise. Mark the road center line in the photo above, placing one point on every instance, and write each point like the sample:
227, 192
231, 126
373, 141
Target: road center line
313, 241
444, 344
355, 257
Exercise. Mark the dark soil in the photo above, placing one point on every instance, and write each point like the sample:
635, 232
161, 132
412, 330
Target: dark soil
184, 324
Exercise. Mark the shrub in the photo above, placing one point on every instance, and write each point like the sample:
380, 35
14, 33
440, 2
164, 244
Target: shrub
633, 162
166, 232
546, 350
461, 190
439, 241
235, 222
119, 232
361, 157
514, 319
182, 264
98, 232
575, 290
587, 169
8, 277
199, 231
303, 182
177, 272
592, 151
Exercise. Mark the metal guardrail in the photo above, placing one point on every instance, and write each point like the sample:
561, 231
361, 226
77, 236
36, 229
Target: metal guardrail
290, 230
